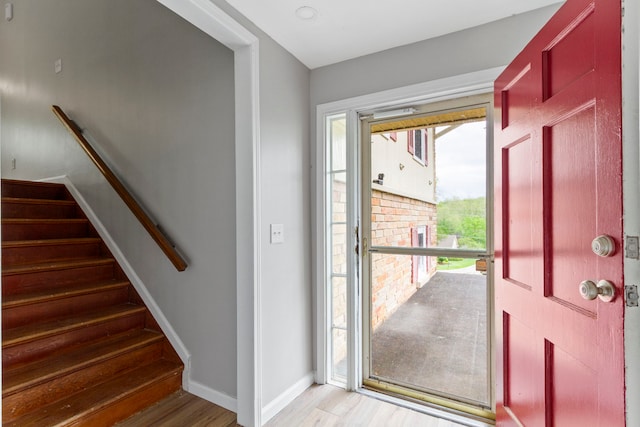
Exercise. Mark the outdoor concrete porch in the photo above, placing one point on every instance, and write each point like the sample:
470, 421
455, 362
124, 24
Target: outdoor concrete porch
437, 339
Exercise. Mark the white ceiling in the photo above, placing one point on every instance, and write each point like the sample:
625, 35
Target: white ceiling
345, 29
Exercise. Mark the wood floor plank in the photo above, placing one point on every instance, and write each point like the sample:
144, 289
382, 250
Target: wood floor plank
333, 406
322, 406
339, 402
313, 396
318, 417
182, 409
363, 411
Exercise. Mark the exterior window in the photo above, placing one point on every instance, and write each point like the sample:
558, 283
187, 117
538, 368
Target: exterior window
336, 255
417, 145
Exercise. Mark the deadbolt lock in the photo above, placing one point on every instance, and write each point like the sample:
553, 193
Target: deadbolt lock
603, 246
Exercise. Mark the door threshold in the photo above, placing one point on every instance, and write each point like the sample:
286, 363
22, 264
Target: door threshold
388, 393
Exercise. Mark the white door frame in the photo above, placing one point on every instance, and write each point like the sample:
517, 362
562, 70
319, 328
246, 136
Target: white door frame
475, 83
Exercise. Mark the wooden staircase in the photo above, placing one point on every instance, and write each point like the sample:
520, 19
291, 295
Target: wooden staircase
78, 345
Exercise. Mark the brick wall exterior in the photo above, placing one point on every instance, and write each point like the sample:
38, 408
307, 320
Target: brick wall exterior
393, 218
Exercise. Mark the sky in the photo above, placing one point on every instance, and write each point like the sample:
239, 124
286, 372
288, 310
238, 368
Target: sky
461, 162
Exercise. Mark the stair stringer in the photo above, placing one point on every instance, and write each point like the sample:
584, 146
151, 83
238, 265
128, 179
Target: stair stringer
138, 284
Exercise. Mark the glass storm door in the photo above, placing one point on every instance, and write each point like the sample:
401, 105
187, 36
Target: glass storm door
426, 258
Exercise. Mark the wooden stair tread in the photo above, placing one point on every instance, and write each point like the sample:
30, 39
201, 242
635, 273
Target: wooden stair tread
16, 300
73, 408
21, 182
42, 371
30, 201
28, 333
79, 346
45, 190
43, 221
56, 265
49, 242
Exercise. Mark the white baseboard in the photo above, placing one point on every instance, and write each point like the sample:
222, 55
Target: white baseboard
213, 396
280, 402
135, 280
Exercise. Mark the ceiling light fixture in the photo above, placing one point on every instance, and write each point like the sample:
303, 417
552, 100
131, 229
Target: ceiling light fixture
306, 13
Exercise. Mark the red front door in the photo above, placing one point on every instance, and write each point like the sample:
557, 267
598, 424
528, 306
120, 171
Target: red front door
560, 357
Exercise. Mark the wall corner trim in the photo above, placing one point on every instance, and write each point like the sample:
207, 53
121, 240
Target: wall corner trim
227, 402
286, 397
215, 22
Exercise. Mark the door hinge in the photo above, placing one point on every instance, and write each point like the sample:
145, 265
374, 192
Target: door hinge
632, 247
631, 295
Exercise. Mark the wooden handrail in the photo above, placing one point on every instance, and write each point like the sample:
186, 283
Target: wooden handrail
127, 198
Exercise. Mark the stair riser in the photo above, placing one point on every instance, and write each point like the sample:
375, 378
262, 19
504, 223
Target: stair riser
25, 314
37, 349
34, 254
124, 408
34, 190
35, 397
35, 231
38, 211
18, 283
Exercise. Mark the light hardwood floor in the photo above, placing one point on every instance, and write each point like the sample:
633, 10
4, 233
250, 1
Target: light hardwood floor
318, 406
184, 410
327, 405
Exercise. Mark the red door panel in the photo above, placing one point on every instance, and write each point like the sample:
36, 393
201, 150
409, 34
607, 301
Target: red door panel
558, 186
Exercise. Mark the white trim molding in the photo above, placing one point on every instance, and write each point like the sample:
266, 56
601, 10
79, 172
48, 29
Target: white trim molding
474, 83
215, 22
207, 393
208, 17
248, 243
285, 398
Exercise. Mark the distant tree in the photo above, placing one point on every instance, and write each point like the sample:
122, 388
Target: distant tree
474, 232
445, 228
466, 218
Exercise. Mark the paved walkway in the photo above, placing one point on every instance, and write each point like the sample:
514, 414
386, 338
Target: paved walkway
437, 340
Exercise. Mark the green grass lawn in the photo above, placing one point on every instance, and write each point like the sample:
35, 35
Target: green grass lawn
456, 263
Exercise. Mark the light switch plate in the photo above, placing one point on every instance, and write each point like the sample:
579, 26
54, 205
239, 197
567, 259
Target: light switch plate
277, 233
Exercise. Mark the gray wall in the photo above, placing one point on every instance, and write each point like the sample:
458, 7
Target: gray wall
483, 47
156, 95
286, 280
